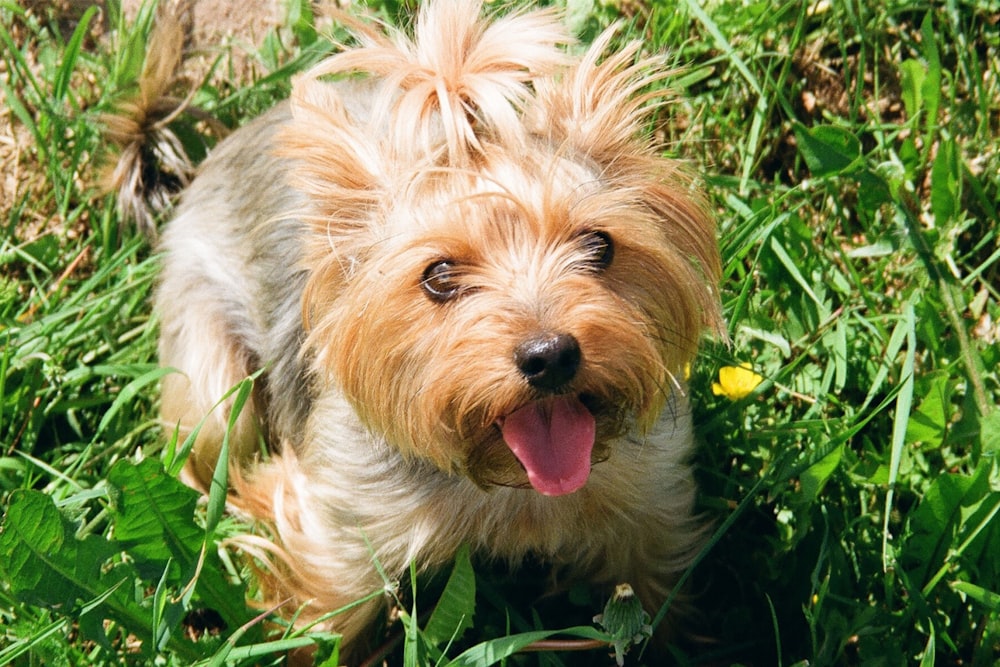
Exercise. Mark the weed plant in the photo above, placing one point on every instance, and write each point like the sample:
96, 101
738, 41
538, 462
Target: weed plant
849, 431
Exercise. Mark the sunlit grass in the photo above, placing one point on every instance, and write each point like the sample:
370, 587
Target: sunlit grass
850, 153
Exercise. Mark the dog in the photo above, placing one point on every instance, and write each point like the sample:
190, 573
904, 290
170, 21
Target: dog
472, 284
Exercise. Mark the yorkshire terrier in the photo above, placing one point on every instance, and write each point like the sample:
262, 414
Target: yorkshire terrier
473, 282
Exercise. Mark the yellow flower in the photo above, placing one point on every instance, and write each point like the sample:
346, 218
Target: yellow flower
736, 382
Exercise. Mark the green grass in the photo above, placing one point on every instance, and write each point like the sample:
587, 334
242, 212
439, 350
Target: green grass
850, 151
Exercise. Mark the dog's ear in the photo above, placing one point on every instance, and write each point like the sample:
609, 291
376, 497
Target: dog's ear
339, 168
599, 107
335, 162
600, 110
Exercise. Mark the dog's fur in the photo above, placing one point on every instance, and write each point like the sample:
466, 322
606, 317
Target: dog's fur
463, 241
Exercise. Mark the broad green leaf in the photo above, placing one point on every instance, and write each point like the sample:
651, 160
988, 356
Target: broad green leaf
327, 652
928, 424
931, 85
912, 76
946, 177
302, 21
828, 150
989, 432
815, 476
155, 521
154, 516
495, 650
938, 523
874, 190
45, 564
453, 614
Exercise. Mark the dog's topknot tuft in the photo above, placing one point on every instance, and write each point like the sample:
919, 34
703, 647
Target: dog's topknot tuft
472, 85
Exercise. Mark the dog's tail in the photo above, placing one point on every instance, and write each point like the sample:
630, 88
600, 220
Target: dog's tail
152, 164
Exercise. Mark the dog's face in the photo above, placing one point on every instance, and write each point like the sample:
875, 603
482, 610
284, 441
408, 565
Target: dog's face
504, 305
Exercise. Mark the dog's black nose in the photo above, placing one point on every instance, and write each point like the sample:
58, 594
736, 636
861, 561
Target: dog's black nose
548, 361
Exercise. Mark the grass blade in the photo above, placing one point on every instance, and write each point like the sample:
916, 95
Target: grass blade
70, 56
904, 403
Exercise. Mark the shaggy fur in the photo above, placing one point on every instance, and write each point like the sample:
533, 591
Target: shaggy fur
474, 285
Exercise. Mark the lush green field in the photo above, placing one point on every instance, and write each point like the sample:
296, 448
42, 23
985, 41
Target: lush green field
851, 153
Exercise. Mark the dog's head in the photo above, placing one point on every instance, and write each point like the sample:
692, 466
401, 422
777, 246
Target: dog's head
505, 275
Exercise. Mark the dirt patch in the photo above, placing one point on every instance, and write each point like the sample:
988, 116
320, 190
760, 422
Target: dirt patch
213, 27
19, 172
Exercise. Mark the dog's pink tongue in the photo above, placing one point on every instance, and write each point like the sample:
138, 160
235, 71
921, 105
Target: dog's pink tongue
552, 439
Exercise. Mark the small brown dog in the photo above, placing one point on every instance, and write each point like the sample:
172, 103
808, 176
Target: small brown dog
474, 285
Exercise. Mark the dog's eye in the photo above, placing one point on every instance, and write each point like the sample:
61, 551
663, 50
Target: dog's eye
440, 281
599, 249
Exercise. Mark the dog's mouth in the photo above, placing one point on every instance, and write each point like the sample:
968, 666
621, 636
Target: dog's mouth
553, 439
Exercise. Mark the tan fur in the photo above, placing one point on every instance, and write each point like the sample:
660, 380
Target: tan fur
302, 247
151, 164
